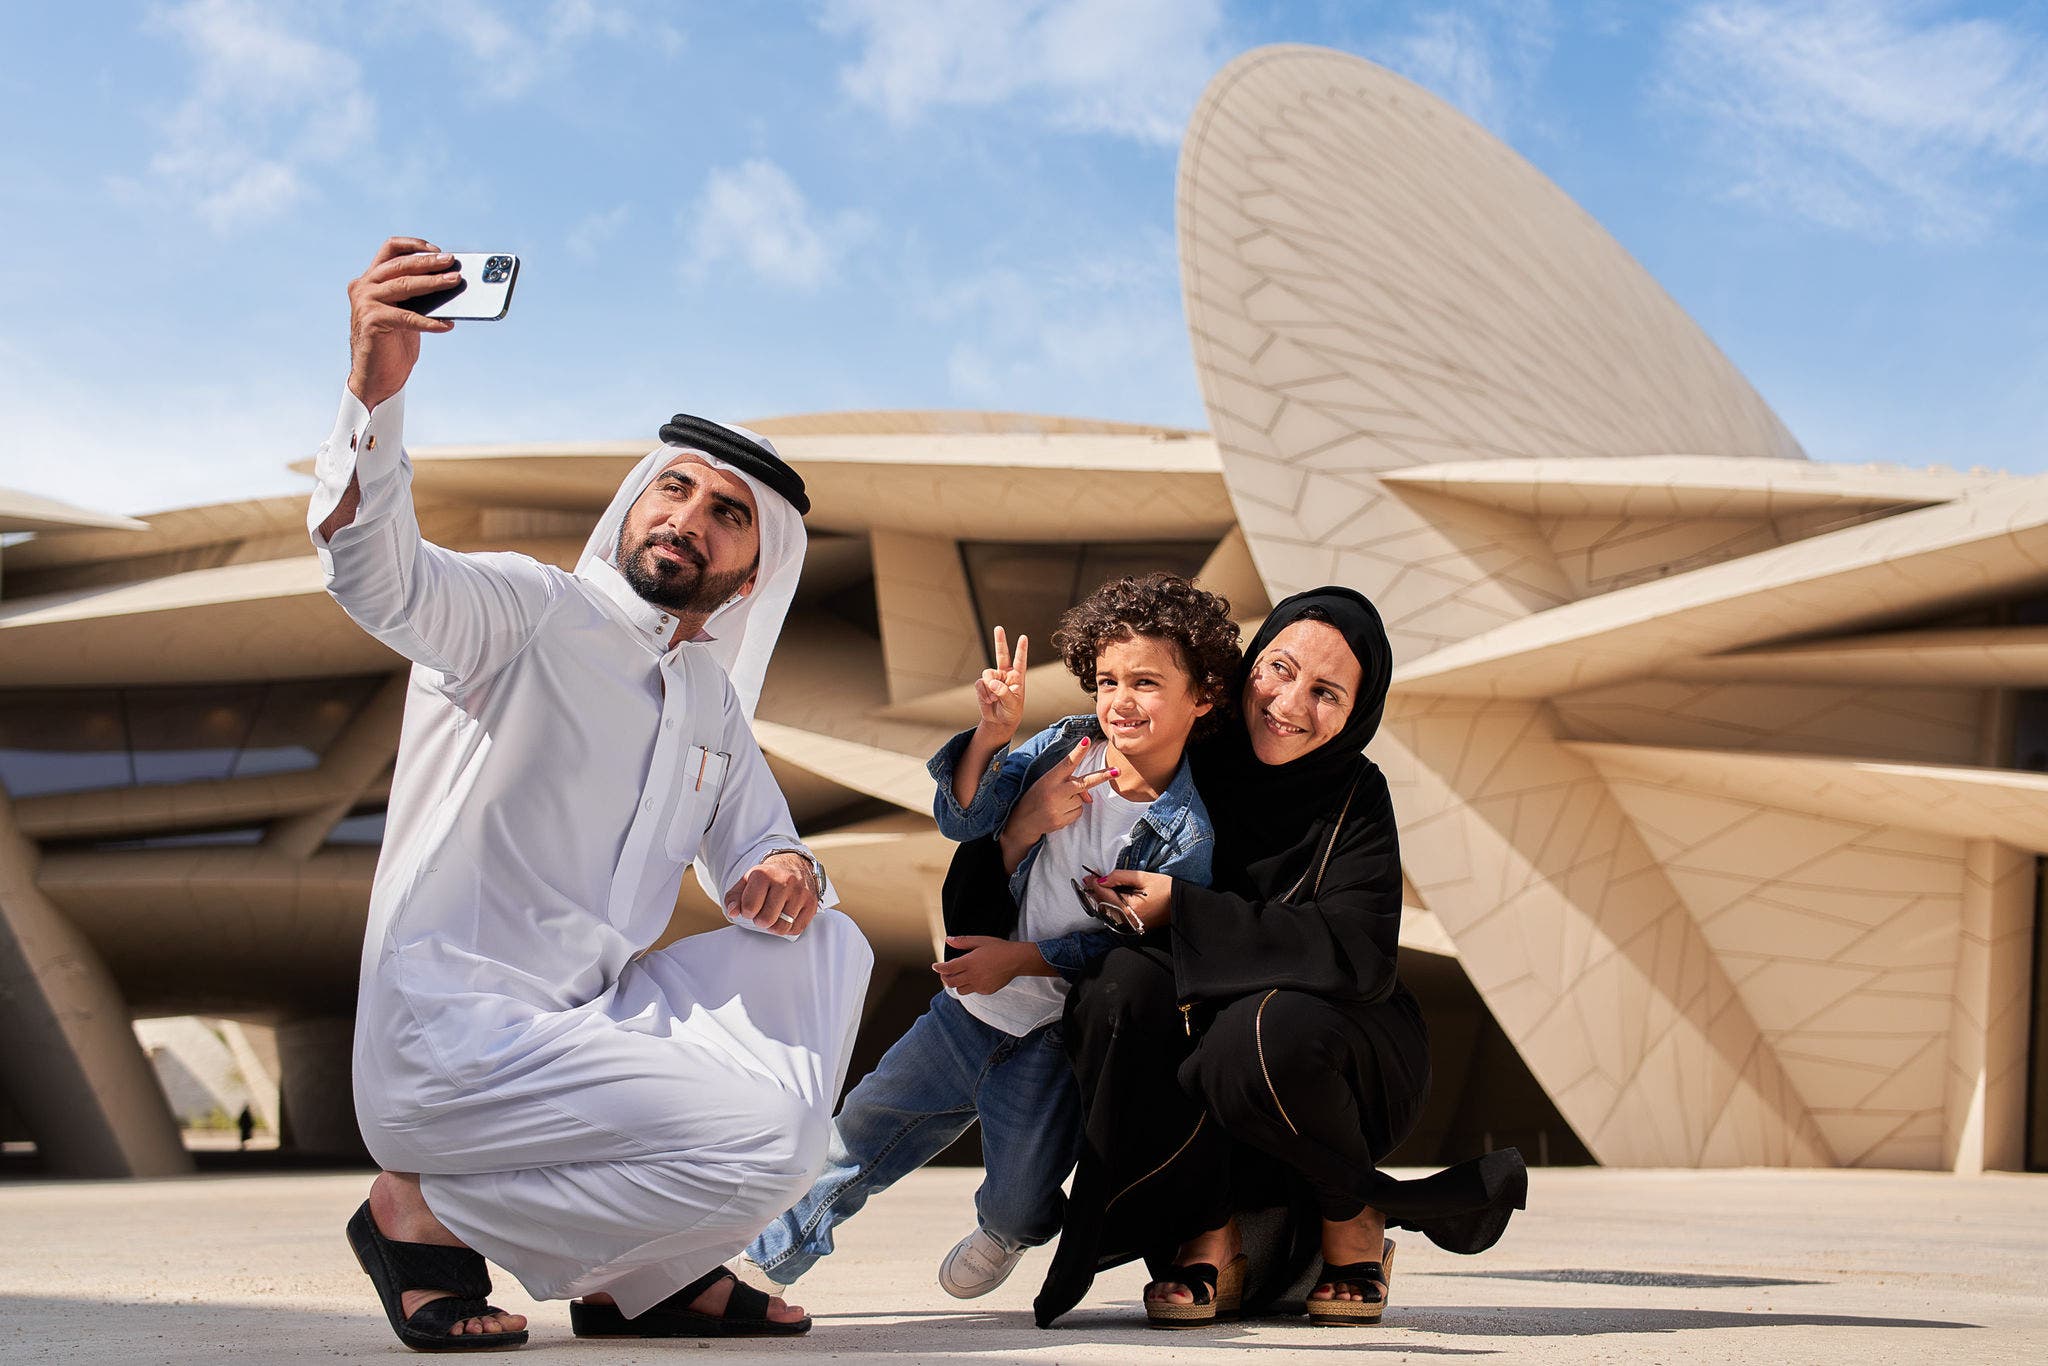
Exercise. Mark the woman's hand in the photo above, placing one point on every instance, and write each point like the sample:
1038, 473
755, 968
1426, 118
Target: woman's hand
1146, 897
1052, 803
990, 964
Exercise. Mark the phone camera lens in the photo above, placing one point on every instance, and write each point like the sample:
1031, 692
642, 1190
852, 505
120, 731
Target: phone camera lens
497, 270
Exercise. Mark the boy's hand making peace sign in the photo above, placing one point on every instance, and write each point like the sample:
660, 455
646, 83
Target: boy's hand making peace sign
1000, 691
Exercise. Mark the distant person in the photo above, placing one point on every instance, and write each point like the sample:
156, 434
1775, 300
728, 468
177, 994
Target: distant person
601, 1121
1247, 1067
1159, 655
245, 1123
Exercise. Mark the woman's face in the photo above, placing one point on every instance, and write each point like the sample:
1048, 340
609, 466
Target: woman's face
1302, 688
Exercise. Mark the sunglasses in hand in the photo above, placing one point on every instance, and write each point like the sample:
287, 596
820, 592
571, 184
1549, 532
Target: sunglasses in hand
1117, 918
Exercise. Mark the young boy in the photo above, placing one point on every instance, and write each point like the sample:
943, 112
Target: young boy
1159, 655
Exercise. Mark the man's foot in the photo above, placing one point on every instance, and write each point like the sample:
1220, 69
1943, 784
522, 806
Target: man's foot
715, 1305
401, 1214
713, 1301
1218, 1247
977, 1264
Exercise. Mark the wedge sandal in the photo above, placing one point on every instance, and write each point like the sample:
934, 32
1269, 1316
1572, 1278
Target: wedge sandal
1368, 1279
745, 1316
394, 1268
1218, 1295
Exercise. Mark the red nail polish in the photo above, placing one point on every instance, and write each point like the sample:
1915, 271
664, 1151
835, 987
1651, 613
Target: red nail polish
1116, 773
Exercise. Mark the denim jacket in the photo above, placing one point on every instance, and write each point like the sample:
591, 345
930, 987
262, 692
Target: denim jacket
1173, 836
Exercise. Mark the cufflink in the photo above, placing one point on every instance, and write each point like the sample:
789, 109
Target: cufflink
352, 438
373, 441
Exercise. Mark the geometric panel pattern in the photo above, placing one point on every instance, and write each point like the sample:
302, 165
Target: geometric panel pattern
1374, 283
1652, 488
240, 895
1730, 883
1929, 725
1581, 945
1918, 562
1840, 937
1702, 752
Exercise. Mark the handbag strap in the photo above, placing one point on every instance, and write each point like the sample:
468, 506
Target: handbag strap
1323, 863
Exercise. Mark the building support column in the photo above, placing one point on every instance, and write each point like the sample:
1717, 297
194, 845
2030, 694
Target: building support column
362, 752
1988, 1024
316, 1093
69, 1060
930, 640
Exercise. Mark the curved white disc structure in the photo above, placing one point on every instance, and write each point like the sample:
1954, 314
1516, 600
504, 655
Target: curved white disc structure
1433, 377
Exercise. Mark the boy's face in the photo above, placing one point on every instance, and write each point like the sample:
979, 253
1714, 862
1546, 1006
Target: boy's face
1144, 698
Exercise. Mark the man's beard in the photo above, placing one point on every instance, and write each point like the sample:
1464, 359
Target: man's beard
685, 589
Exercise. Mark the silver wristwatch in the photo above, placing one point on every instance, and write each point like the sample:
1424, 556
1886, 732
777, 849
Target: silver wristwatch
817, 868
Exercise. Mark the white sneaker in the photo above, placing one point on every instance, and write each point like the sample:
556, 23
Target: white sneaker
753, 1273
977, 1264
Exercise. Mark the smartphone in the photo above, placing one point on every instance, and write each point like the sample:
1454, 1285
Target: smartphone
484, 294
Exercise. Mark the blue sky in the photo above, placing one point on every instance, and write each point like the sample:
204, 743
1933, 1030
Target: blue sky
755, 208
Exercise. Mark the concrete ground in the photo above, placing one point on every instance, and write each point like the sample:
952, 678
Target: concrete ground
1764, 1266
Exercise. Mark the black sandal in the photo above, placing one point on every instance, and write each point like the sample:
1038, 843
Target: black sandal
745, 1316
394, 1268
1369, 1280
1217, 1295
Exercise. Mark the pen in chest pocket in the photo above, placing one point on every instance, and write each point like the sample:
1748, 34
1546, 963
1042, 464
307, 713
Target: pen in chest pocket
706, 768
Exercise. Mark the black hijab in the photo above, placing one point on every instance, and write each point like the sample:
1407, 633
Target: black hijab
1263, 813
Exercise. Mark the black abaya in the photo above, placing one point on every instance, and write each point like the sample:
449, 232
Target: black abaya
1257, 1059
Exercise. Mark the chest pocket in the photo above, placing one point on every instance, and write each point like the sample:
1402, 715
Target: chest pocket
701, 768
702, 775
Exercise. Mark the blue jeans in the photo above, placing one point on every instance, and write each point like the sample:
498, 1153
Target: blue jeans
946, 1071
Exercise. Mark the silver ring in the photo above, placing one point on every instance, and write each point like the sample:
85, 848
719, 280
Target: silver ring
785, 916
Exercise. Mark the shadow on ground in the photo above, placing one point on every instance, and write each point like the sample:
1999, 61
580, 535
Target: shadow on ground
1670, 1280
55, 1328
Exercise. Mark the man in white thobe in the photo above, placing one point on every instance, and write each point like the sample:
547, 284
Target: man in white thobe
600, 1121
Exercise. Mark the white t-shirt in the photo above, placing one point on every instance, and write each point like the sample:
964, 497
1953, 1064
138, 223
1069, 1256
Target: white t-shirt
1050, 907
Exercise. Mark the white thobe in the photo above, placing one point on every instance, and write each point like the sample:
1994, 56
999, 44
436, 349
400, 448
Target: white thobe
585, 1115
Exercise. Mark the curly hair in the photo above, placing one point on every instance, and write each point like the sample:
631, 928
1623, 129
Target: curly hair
1165, 607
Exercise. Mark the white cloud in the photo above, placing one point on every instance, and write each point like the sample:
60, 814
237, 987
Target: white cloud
1885, 117
72, 434
595, 231
268, 106
1099, 334
1485, 65
505, 57
755, 214
1130, 67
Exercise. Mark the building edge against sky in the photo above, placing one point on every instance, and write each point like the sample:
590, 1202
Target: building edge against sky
1719, 770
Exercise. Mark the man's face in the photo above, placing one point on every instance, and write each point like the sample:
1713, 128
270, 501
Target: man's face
690, 541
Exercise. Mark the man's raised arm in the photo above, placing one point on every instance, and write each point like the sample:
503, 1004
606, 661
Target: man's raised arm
458, 614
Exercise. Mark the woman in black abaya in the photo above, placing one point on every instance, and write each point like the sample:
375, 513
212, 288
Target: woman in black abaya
1248, 1063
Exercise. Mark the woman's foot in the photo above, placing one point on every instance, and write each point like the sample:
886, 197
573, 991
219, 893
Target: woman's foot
1218, 1247
712, 1302
1362, 1239
401, 1214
